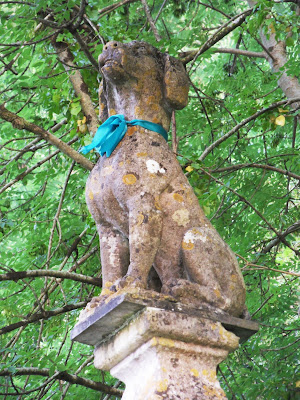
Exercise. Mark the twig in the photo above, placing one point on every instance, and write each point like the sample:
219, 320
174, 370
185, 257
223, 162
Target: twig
150, 20
255, 266
240, 52
242, 123
42, 315
254, 165
224, 30
21, 123
63, 375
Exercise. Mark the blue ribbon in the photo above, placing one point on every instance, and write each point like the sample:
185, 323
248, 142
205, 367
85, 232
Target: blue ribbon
112, 131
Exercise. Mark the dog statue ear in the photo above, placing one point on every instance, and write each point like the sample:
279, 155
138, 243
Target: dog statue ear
176, 83
103, 111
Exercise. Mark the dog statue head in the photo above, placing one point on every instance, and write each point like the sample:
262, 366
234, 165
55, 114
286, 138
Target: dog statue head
141, 82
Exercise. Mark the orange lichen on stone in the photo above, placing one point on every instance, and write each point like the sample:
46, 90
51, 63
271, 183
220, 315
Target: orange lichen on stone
178, 197
130, 130
129, 179
187, 245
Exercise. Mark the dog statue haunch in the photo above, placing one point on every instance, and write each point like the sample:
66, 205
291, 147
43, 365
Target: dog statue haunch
145, 210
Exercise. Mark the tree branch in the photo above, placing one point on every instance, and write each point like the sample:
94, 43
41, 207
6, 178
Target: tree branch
42, 315
293, 228
64, 375
240, 52
80, 87
277, 58
150, 20
243, 199
16, 275
20, 123
224, 30
244, 122
254, 165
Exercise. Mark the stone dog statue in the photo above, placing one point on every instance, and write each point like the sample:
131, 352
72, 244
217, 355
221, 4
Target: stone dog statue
145, 210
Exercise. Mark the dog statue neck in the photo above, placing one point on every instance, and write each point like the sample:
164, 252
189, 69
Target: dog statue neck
138, 100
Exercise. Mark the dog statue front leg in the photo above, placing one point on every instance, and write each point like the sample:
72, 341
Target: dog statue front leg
145, 226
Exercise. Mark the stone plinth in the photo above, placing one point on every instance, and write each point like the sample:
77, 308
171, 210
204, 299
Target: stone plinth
161, 349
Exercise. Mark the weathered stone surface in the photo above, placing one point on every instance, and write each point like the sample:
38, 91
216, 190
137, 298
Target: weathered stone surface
145, 210
117, 311
159, 348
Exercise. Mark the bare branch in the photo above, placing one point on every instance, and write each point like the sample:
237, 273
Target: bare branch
16, 275
150, 20
42, 315
223, 31
254, 165
243, 199
293, 228
244, 122
80, 87
240, 52
84, 48
277, 58
21, 123
64, 375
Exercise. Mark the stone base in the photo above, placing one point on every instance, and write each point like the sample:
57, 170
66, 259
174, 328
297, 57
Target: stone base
161, 349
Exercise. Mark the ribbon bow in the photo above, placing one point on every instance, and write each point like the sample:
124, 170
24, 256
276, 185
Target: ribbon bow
112, 131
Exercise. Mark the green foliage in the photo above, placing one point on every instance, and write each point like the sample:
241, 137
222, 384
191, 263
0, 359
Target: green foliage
244, 184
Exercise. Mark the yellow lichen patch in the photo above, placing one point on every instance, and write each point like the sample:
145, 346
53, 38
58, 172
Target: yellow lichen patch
166, 342
195, 372
178, 197
112, 111
196, 231
91, 195
129, 179
210, 374
121, 163
228, 336
217, 292
213, 391
154, 341
234, 277
181, 217
142, 154
187, 245
140, 219
138, 111
162, 386
108, 284
156, 203
106, 292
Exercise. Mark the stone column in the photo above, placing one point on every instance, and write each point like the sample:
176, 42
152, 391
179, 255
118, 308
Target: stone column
161, 349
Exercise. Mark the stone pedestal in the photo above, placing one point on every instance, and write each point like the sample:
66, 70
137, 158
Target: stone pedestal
161, 349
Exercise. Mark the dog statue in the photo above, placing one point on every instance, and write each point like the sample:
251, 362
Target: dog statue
145, 210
